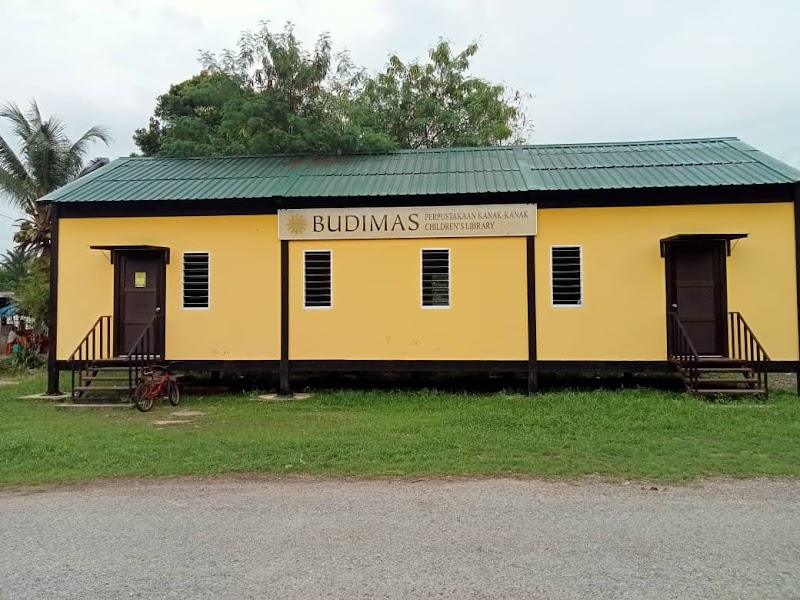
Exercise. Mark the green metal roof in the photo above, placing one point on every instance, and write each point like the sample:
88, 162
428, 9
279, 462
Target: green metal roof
674, 163
657, 164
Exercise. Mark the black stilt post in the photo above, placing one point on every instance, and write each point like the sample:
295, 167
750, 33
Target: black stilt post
533, 364
52, 326
285, 387
797, 274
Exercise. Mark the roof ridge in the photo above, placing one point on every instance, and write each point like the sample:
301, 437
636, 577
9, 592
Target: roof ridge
506, 148
723, 139
649, 166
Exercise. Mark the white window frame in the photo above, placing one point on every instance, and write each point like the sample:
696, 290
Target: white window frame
552, 289
183, 281
330, 254
449, 304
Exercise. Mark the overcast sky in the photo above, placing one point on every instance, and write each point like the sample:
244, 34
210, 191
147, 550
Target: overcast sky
598, 71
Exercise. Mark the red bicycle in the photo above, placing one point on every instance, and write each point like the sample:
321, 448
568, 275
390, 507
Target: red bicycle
156, 382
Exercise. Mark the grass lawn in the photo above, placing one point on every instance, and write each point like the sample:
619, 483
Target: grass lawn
631, 434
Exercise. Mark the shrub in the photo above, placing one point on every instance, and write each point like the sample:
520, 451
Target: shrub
25, 358
34, 294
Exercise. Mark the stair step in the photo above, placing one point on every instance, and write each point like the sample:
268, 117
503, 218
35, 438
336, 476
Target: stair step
99, 404
99, 388
110, 363
104, 373
102, 400
746, 380
104, 378
720, 366
731, 391
709, 375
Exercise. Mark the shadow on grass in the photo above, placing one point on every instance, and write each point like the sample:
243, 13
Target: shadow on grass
479, 383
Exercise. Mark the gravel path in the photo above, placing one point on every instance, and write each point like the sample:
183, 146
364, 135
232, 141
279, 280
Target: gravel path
323, 538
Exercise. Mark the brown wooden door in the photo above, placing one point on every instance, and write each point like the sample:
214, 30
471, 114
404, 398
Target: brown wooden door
696, 290
139, 293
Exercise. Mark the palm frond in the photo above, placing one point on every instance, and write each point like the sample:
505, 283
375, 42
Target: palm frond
34, 116
55, 130
47, 151
11, 162
19, 123
47, 160
94, 134
19, 191
93, 165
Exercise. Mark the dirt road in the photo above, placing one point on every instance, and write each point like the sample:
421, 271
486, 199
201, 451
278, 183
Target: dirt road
324, 538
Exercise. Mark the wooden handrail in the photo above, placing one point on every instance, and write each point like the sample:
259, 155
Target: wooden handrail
143, 352
744, 345
95, 346
103, 324
681, 350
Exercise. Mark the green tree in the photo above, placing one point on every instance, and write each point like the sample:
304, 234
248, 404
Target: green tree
269, 95
33, 293
437, 103
277, 62
47, 160
188, 117
15, 267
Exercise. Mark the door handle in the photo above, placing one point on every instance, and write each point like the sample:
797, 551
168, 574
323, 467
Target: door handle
674, 306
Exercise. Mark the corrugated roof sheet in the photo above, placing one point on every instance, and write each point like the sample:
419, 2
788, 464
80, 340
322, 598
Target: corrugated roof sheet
679, 163
673, 163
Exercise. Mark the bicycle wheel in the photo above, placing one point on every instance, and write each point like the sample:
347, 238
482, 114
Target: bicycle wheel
142, 398
174, 393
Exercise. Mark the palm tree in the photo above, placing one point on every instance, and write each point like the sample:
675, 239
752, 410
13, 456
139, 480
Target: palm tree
47, 160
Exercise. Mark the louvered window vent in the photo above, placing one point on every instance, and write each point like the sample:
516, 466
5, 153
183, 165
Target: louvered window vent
566, 275
195, 280
317, 279
436, 278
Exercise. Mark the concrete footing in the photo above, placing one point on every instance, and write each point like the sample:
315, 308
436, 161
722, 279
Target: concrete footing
78, 406
279, 398
46, 397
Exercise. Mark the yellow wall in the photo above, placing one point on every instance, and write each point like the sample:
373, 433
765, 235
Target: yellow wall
243, 321
624, 283
376, 311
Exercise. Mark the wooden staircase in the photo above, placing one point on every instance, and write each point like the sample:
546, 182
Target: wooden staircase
100, 377
742, 373
716, 375
107, 384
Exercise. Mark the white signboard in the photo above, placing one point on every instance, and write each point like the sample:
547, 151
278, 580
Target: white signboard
488, 220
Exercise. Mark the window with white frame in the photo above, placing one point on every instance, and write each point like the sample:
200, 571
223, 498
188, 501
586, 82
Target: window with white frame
317, 279
195, 279
566, 271
435, 278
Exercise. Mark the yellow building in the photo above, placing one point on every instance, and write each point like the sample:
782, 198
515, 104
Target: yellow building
678, 255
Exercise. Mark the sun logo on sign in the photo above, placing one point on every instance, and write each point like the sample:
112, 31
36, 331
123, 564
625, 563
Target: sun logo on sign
297, 224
